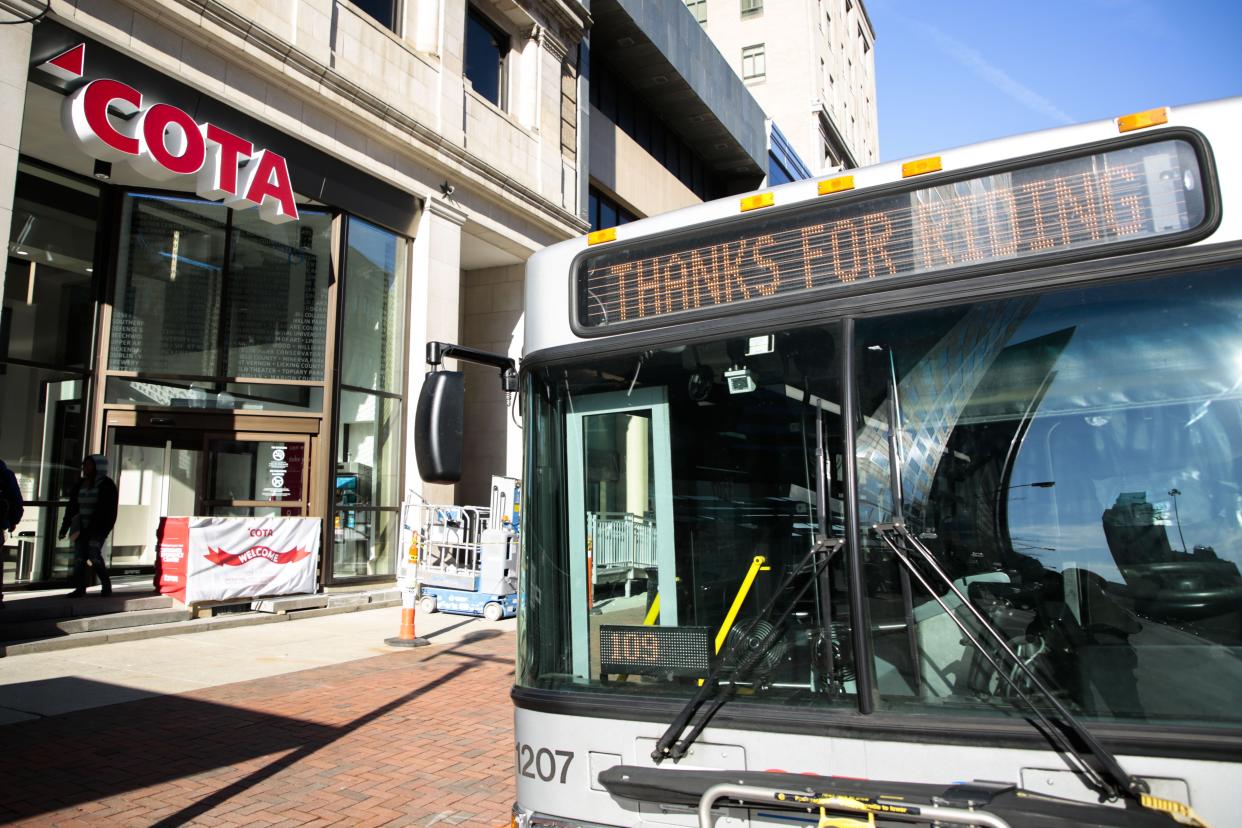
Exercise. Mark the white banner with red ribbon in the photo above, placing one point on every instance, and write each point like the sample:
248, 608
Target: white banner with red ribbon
218, 558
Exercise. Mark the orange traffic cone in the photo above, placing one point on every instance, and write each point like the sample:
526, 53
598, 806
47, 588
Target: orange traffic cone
406, 637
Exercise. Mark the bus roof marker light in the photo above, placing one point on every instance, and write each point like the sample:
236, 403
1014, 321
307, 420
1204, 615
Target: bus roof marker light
836, 185
758, 201
600, 236
921, 167
1140, 120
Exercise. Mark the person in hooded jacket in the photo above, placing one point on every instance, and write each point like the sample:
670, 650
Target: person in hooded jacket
88, 520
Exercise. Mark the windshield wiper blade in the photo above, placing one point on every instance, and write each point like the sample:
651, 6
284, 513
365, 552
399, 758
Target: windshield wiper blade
670, 745
1115, 782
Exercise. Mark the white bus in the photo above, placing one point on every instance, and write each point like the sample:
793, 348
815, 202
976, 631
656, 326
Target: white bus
896, 494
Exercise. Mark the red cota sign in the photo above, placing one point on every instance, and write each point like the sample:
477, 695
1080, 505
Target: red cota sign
161, 141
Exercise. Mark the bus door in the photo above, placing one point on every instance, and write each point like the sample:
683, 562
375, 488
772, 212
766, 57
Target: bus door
622, 561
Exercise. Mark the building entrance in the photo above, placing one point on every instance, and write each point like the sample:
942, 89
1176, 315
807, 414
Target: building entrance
165, 472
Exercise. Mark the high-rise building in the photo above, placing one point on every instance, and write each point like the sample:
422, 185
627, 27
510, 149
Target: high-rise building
811, 66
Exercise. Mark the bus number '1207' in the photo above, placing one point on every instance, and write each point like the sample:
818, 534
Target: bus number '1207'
541, 763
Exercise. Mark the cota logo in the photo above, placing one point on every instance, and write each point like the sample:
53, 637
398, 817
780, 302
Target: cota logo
111, 122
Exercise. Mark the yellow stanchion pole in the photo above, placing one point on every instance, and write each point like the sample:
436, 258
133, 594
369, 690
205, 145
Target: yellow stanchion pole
756, 566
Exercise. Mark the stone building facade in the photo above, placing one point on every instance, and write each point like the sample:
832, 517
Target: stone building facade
191, 334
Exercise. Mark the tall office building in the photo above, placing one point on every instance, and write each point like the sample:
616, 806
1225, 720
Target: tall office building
811, 66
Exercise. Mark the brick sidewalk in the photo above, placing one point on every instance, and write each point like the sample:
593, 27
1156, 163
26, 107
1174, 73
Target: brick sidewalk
417, 737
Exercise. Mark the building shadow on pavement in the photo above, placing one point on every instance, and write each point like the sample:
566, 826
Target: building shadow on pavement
187, 748
89, 754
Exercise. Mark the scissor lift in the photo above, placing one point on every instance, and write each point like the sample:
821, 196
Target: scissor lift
468, 555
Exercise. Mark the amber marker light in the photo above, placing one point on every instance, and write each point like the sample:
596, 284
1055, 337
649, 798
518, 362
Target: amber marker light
600, 236
1140, 120
758, 201
921, 167
836, 185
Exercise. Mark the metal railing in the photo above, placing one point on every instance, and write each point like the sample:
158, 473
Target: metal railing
621, 540
449, 537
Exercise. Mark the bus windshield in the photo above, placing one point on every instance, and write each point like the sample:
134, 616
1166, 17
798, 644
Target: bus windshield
1068, 457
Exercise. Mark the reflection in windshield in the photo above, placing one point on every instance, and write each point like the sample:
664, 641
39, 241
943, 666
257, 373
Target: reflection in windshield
1073, 466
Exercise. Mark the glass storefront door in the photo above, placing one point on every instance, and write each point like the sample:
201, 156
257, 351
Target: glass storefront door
156, 474
255, 475
160, 473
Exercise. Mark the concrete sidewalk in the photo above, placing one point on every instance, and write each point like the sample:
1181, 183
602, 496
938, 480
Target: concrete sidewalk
38, 685
49, 620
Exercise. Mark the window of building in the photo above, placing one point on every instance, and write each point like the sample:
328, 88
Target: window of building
604, 95
672, 153
618, 102
849, 6
368, 440
866, 46
487, 53
606, 212
832, 154
47, 324
383, 11
753, 62
625, 117
205, 291
698, 8
372, 352
752, 8
569, 102
777, 173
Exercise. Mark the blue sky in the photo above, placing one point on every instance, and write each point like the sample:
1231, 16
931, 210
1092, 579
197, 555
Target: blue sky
958, 71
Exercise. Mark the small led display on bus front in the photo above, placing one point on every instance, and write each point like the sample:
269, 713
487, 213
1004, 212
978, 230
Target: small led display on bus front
1119, 196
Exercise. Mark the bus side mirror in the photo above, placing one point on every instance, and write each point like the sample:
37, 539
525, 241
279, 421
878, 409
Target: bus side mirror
438, 426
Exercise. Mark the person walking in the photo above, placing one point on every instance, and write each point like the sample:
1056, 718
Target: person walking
88, 520
11, 508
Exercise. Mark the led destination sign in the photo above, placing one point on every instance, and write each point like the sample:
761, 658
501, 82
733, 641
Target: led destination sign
1120, 196
658, 651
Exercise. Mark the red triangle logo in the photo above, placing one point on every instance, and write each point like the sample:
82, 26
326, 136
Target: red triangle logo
68, 65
